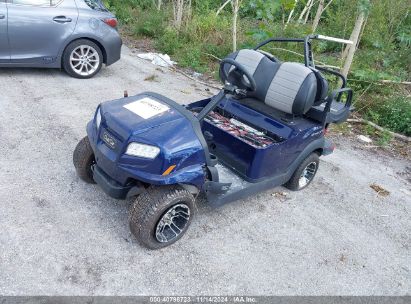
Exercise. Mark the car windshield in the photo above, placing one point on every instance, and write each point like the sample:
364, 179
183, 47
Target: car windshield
96, 5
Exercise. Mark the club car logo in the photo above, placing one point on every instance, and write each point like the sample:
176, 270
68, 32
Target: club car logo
109, 140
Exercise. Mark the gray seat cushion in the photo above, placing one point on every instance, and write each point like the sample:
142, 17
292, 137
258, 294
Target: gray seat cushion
293, 89
289, 87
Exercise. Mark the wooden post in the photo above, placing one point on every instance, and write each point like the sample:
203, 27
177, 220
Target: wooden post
317, 17
355, 35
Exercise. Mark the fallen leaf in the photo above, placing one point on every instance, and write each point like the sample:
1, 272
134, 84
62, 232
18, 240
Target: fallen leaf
342, 258
380, 190
282, 196
152, 77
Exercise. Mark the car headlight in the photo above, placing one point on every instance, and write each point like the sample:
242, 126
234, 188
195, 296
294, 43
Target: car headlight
98, 118
142, 150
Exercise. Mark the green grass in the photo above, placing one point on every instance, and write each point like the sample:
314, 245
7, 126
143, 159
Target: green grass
394, 114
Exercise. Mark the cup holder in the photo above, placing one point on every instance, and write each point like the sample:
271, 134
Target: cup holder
213, 159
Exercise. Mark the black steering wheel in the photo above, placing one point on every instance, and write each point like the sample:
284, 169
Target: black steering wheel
239, 76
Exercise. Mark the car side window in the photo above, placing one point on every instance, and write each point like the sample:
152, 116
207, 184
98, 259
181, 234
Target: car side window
36, 2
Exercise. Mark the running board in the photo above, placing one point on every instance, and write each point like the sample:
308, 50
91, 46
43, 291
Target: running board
232, 187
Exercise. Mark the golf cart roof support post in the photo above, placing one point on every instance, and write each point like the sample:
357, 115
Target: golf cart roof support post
307, 46
308, 55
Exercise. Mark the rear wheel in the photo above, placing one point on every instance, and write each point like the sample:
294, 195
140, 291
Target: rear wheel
161, 216
304, 174
83, 160
82, 59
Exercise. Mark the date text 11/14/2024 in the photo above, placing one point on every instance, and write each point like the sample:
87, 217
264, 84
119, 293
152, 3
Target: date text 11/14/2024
204, 299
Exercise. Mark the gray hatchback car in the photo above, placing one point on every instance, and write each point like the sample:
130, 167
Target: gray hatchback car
77, 35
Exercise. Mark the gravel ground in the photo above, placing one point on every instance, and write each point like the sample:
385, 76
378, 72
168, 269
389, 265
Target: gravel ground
59, 236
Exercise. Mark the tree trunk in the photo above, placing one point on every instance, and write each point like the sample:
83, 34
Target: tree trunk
355, 36
236, 7
291, 13
347, 48
159, 3
178, 9
305, 9
308, 12
222, 7
189, 10
362, 30
317, 18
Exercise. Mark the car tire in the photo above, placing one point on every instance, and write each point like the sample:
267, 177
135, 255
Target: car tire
160, 216
82, 59
83, 160
304, 174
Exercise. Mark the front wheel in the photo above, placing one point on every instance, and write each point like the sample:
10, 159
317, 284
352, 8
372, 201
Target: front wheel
161, 216
305, 173
83, 160
82, 59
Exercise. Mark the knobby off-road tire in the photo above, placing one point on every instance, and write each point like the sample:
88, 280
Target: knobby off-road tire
150, 211
83, 159
305, 173
82, 53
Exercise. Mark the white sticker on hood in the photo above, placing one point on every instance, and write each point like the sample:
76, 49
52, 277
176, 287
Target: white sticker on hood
146, 107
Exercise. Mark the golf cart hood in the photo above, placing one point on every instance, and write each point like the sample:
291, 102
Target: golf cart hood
149, 119
135, 115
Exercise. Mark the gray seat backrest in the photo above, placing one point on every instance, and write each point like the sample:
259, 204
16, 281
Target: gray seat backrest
289, 87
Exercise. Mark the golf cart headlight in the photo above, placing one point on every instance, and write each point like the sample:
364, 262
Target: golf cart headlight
142, 150
98, 118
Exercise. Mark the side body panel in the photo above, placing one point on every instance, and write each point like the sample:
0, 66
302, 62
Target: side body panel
247, 189
256, 164
36, 33
4, 41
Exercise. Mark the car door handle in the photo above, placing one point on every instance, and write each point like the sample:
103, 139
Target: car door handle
62, 19
2, 16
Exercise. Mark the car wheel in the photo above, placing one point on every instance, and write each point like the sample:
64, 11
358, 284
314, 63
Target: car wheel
304, 174
82, 59
161, 216
83, 159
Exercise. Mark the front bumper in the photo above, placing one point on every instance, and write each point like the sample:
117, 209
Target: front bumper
113, 188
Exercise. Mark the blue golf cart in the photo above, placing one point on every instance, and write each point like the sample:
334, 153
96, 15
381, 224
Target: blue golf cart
265, 128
